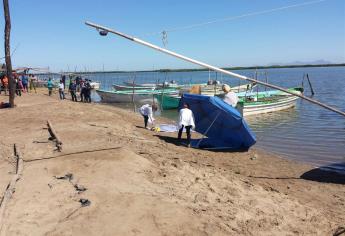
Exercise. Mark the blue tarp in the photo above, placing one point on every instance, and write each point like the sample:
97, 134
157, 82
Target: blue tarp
222, 124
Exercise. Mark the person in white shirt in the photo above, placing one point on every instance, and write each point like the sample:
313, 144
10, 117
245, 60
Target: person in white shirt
147, 112
61, 90
186, 121
229, 96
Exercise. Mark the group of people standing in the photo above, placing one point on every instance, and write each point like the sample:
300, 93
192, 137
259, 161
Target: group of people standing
186, 116
77, 85
24, 83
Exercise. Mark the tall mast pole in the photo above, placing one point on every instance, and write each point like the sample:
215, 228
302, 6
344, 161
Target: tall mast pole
12, 86
105, 30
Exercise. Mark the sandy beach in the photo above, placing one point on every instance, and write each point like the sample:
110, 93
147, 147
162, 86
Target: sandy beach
139, 182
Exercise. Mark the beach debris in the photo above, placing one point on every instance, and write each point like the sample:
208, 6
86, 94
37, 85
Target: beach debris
84, 202
54, 136
254, 157
102, 126
35, 141
339, 231
80, 188
68, 176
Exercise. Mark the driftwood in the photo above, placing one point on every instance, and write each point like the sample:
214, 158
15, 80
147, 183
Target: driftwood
54, 136
11, 186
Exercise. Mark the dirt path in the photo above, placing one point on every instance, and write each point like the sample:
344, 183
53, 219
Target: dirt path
141, 183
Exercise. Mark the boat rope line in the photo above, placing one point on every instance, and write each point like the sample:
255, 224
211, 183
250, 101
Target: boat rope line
231, 18
214, 68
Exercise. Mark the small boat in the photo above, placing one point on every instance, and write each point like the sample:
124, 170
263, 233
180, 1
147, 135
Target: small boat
139, 96
118, 87
95, 85
131, 84
171, 84
212, 90
268, 101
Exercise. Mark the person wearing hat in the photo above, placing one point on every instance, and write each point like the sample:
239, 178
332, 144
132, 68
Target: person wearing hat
147, 112
229, 96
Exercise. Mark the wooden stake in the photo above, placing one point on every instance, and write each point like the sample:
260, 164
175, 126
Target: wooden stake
11, 186
54, 135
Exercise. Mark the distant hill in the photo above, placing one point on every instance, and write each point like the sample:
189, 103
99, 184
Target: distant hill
300, 63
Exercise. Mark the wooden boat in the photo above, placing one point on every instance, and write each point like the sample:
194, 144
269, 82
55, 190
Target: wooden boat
139, 96
118, 87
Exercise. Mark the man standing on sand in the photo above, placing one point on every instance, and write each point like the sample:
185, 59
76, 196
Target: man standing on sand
50, 86
186, 121
229, 96
32, 83
61, 90
147, 112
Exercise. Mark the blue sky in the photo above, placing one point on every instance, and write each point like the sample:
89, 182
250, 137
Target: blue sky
52, 33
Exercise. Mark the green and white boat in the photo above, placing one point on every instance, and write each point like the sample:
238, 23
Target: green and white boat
249, 103
139, 96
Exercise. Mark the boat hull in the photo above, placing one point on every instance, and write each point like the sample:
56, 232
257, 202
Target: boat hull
168, 102
256, 108
110, 97
131, 88
141, 97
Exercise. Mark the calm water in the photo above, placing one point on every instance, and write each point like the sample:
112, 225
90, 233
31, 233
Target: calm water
306, 133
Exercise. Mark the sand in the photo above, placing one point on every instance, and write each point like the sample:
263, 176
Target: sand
141, 183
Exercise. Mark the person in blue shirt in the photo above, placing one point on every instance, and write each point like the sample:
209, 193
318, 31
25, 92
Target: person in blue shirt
25, 81
50, 86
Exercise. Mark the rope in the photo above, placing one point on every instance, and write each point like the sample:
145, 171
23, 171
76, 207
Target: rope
230, 18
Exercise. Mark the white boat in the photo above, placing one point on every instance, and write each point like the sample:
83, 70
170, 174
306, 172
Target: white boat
131, 84
139, 96
211, 90
255, 108
95, 85
171, 84
118, 87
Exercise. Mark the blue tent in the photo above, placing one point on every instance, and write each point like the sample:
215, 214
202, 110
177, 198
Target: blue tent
221, 124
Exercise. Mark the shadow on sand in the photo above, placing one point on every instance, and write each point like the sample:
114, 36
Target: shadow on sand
194, 142
324, 176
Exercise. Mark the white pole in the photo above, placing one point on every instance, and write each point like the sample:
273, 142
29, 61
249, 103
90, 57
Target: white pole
99, 27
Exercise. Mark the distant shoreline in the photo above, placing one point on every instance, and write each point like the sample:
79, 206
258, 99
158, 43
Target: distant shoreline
225, 68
